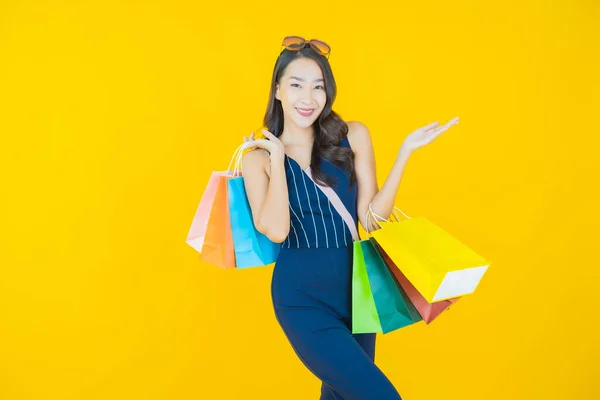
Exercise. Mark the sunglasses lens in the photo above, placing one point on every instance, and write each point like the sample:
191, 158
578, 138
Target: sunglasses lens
320, 47
293, 42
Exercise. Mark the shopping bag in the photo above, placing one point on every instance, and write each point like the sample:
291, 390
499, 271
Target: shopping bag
197, 231
364, 313
428, 311
211, 231
217, 248
252, 248
393, 307
438, 265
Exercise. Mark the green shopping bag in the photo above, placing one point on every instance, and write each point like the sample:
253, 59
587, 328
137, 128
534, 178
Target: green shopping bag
364, 312
379, 304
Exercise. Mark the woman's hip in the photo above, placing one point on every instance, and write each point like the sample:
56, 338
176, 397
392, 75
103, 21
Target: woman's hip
313, 278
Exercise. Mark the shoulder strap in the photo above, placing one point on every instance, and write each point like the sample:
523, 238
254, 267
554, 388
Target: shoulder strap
337, 203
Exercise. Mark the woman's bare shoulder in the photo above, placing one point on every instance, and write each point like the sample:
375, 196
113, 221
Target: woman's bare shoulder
257, 159
358, 134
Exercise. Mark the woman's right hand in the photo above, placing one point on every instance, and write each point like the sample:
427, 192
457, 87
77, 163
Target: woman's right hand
272, 144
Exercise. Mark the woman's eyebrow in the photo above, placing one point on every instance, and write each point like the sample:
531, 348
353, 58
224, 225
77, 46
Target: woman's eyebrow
302, 80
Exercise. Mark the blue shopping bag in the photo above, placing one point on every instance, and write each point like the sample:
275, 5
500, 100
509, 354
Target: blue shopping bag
252, 248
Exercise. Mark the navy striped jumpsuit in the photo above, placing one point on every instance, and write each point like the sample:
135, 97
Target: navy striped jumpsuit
311, 290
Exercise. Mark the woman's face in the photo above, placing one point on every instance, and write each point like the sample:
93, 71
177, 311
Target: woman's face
300, 90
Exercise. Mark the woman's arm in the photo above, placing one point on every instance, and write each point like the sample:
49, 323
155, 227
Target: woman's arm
382, 201
266, 187
364, 164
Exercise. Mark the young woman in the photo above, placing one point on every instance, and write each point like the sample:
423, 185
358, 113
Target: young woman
307, 144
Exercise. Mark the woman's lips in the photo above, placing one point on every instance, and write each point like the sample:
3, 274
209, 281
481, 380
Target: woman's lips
305, 112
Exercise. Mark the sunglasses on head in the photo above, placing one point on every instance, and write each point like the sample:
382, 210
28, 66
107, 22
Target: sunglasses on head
297, 43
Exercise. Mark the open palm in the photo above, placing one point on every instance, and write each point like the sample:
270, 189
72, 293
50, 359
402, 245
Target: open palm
426, 134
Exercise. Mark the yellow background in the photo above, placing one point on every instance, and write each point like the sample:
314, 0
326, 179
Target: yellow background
114, 113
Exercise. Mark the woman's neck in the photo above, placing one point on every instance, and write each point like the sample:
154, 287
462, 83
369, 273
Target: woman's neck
297, 136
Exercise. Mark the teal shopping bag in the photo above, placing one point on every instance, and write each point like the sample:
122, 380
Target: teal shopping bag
252, 248
394, 308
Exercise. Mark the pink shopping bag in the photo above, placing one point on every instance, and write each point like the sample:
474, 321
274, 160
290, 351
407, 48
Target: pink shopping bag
197, 232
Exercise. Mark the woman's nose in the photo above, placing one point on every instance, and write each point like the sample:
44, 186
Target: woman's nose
307, 95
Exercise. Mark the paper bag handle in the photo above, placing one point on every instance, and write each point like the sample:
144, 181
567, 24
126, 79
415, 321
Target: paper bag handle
237, 156
371, 214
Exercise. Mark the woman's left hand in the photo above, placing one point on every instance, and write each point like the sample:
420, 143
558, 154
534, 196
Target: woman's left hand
426, 135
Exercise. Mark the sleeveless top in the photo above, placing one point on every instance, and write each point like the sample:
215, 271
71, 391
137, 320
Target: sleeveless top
314, 222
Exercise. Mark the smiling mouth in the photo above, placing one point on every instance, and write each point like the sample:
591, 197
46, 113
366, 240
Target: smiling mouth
305, 112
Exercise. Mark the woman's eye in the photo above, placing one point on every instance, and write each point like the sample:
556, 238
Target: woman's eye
317, 87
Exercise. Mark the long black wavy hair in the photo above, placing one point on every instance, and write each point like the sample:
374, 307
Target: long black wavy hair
329, 128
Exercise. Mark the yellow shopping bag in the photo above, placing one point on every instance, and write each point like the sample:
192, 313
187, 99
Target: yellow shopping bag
438, 265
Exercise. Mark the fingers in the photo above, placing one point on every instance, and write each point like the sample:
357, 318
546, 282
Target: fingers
430, 126
268, 134
251, 144
453, 121
249, 138
437, 131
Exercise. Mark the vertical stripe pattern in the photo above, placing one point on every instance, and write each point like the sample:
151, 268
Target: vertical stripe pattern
314, 221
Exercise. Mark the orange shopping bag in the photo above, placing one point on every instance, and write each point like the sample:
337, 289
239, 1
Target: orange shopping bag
218, 241
197, 232
211, 233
